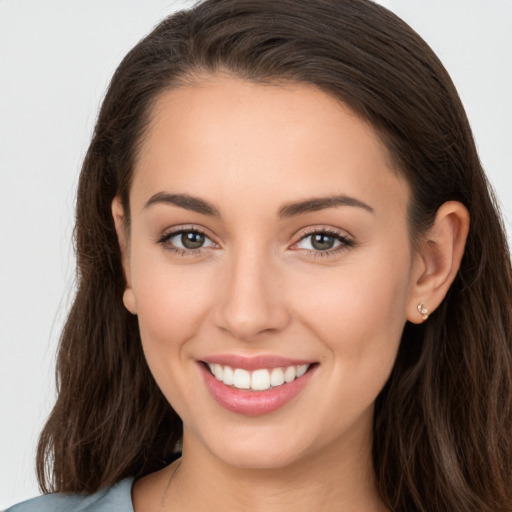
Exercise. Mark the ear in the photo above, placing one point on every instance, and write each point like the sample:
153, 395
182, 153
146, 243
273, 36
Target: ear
438, 260
123, 239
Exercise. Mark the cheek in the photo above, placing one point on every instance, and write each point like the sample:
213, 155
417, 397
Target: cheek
171, 305
359, 314
171, 302
167, 312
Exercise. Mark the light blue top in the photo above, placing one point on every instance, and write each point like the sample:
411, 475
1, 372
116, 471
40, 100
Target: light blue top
117, 498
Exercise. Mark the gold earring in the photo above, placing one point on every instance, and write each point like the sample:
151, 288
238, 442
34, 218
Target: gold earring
423, 311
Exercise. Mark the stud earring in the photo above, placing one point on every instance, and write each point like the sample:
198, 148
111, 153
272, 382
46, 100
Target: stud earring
423, 311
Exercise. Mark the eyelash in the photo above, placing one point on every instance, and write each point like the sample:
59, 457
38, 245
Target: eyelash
345, 242
179, 251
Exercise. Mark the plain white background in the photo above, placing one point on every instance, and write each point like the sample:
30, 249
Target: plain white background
56, 58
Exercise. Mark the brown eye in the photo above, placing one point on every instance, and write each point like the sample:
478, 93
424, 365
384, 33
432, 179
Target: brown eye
192, 239
322, 241
186, 240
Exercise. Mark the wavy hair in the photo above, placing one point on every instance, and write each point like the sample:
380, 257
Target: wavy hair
443, 422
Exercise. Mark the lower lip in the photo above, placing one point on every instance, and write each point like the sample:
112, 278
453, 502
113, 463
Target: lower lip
254, 403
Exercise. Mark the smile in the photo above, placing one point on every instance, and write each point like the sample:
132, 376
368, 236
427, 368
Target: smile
257, 380
255, 386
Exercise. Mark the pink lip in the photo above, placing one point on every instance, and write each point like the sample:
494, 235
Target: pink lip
254, 362
253, 403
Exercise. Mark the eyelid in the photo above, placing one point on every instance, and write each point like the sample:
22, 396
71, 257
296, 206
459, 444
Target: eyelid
173, 231
346, 240
321, 228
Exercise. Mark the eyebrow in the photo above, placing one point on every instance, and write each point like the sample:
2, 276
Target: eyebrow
321, 203
313, 204
183, 201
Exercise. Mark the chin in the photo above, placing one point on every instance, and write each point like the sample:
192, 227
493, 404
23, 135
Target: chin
251, 456
260, 447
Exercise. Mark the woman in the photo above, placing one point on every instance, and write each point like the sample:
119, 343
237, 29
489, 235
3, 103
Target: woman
291, 269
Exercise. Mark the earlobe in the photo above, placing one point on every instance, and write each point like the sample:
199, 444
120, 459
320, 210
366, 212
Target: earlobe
122, 238
129, 300
440, 252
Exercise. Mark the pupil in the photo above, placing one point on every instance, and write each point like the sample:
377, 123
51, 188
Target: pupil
191, 240
322, 241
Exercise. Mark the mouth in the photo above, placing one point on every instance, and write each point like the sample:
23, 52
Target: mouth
254, 388
260, 379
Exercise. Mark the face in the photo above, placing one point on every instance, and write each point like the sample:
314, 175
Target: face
269, 246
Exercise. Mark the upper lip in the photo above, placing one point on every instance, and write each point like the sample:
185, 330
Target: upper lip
254, 362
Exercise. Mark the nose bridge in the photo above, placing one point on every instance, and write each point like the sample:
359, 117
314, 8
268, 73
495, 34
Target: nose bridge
250, 302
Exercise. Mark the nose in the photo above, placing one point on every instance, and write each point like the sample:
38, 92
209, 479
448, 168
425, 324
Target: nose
250, 301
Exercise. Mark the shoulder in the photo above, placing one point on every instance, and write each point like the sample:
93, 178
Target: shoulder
111, 499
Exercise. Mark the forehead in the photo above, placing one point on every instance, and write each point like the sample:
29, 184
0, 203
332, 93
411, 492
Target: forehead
233, 138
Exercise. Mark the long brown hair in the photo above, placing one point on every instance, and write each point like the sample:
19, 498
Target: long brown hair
443, 422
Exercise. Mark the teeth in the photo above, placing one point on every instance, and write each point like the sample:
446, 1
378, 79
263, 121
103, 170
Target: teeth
242, 379
277, 377
258, 380
217, 371
290, 373
301, 370
229, 376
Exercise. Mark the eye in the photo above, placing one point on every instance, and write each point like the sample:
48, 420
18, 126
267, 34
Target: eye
189, 240
185, 240
323, 241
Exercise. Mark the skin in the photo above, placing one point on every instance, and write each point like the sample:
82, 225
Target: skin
258, 286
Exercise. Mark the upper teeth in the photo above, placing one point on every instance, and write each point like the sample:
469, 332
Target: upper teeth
257, 380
